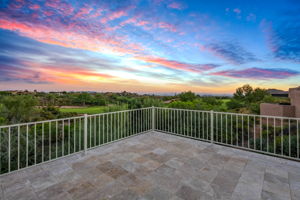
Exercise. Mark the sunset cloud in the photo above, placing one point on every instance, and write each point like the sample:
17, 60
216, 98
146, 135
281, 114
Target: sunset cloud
197, 68
258, 73
176, 5
231, 52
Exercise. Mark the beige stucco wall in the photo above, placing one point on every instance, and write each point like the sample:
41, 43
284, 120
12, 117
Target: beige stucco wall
294, 95
277, 110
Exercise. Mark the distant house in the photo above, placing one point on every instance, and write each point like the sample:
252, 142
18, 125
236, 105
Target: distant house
278, 93
283, 110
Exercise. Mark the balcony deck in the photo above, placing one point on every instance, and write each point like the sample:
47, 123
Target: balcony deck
157, 166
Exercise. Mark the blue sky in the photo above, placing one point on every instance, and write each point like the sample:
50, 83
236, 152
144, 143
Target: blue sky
149, 46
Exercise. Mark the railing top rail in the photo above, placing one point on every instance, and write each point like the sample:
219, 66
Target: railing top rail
39, 122
255, 115
232, 113
165, 108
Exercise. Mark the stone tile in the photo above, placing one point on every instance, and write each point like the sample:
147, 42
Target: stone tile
42, 180
53, 192
208, 174
156, 194
265, 195
157, 166
1, 192
81, 189
277, 172
22, 194
273, 178
151, 165
279, 189
174, 163
131, 166
116, 172
247, 190
294, 180
225, 183
125, 194
188, 193
159, 151
110, 190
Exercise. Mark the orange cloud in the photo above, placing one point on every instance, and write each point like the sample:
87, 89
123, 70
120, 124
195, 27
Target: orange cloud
196, 68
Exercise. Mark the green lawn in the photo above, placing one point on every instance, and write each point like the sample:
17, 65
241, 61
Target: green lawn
94, 109
224, 102
86, 110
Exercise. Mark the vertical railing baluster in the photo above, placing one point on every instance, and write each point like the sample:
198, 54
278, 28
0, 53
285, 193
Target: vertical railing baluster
69, 133
43, 145
35, 161
111, 128
99, 126
85, 132
226, 128
242, 130
9, 149
254, 132
95, 129
50, 140
63, 138
18, 147
153, 118
90, 131
231, 132
27, 146
290, 137
260, 124
80, 134
267, 134
74, 136
274, 136
281, 136
297, 140
237, 130
221, 128
248, 131
212, 126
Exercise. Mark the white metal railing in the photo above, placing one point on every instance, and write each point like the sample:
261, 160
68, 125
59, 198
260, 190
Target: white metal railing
272, 135
28, 144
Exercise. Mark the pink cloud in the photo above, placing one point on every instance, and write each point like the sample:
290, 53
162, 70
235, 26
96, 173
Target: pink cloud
258, 73
237, 11
197, 68
113, 16
167, 26
83, 11
73, 36
63, 8
34, 7
176, 5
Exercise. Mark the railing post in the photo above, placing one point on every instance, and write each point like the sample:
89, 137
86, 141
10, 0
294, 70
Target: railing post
85, 132
212, 126
153, 118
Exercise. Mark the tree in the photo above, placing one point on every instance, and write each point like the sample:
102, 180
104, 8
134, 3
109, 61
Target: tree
17, 109
187, 96
248, 99
84, 98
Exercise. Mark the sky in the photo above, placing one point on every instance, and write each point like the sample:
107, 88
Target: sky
149, 46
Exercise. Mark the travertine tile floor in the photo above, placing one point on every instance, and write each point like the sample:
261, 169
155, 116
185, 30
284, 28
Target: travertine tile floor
157, 166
